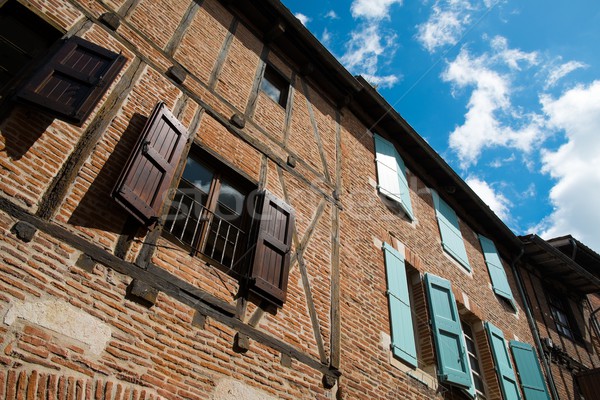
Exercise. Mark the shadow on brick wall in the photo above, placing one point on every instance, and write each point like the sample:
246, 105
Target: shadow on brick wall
21, 128
97, 209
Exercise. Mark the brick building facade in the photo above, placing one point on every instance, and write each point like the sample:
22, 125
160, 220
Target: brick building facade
198, 201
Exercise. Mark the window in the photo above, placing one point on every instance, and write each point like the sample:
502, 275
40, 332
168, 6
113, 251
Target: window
391, 175
214, 212
452, 240
476, 373
530, 372
561, 315
73, 80
496, 270
24, 39
275, 86
209, 211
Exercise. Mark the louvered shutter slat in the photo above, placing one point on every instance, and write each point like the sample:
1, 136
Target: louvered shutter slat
495, 268
447, 332
403, 339
504, 370
270, 267
530, 372
73, 80
142, 188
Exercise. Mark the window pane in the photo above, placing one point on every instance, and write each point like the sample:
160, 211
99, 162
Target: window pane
198, 175
270, 90
231, 203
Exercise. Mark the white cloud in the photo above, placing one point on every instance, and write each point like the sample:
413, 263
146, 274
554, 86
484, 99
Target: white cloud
382, 81
365, 49
575, 165
446, 24
372, 9
491, 120
496, 201
560, 71
303, 18
512, 57
331, 14
326, 37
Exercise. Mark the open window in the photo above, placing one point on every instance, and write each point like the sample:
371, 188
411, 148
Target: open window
73, 80
478, 387
275, 85
214, 211
25, 39
209, 212
563, 316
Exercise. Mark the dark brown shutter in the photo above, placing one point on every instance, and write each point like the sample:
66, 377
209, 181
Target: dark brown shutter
73, 80
142, 188
271, 264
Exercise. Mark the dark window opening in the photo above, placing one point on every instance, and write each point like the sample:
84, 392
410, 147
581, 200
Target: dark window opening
25, 38
275, 86
562, 316
209, 212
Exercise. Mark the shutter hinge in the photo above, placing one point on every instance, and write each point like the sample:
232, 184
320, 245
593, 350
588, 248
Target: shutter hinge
145, 147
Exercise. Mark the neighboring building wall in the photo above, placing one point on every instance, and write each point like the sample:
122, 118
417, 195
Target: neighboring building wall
365, 316
566, 356
94, 305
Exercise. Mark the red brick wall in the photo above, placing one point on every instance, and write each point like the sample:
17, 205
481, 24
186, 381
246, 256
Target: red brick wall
165, 349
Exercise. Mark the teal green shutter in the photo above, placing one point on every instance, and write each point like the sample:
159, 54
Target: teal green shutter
448, 336
391, 174
403, 337
496, 270
504, 370
452, 240
530, 373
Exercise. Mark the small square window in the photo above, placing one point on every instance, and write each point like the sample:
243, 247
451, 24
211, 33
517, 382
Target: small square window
275, 86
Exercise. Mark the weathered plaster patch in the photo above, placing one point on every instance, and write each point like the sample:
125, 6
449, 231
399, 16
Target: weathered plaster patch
63, 318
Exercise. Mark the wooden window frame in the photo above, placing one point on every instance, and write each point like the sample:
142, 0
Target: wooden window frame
557, 305
474, 374
222, 171
276, 79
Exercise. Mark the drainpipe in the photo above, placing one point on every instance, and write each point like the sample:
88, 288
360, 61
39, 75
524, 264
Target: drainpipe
532, 324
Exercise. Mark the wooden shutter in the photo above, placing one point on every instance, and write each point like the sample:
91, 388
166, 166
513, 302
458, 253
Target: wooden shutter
403, 336
73, 80
504, 370
447, 333
274, 225
142, 188
452, 240
391, 174
496, 269
529, 370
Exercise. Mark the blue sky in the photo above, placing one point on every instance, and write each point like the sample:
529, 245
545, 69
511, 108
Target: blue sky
507, 91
